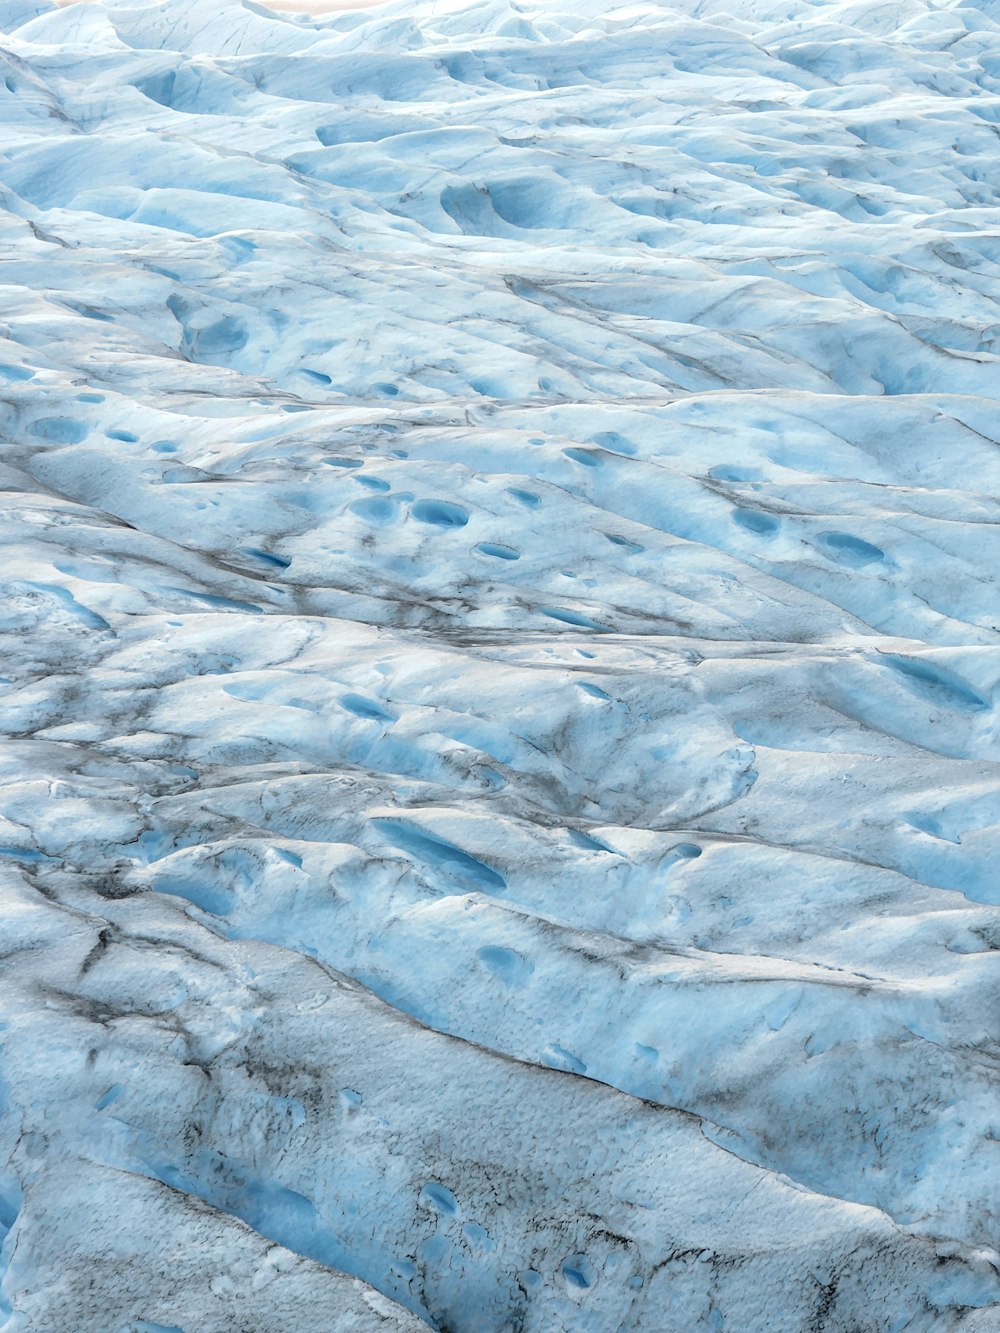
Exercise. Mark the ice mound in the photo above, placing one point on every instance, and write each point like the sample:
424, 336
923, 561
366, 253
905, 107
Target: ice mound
500, 818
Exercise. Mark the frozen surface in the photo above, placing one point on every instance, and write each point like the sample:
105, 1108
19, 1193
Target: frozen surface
501, 522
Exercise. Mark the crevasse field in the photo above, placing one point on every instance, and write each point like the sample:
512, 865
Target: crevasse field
500, 805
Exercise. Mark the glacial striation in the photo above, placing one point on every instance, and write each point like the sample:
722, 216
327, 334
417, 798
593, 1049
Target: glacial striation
499, 804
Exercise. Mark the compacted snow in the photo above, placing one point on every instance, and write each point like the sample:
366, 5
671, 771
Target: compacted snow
499, 787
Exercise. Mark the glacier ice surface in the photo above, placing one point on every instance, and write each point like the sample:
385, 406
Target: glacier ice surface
498, 805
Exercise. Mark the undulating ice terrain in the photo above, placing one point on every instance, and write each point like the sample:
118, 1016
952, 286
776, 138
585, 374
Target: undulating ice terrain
502, 637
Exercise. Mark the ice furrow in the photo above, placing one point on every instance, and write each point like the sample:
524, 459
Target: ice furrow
379, 1198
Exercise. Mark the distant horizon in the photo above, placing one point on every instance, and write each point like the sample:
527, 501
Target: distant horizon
283, 6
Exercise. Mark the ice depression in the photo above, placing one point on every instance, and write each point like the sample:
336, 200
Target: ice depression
499, 783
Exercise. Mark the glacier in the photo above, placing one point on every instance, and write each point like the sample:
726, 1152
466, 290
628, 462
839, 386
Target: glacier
499, 805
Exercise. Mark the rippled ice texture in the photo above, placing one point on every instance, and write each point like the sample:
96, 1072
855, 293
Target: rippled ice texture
500, 806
